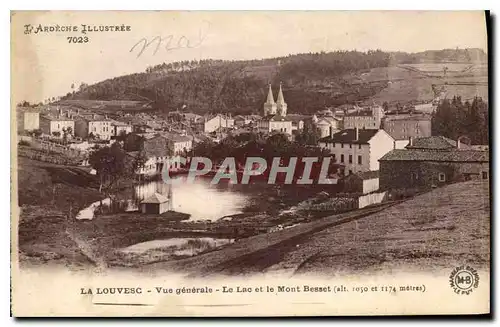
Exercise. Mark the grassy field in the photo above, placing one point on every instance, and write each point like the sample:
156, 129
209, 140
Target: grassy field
440, 229
431, 231
47, 192
413, 83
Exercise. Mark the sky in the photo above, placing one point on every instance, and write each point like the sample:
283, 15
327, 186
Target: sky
47, 64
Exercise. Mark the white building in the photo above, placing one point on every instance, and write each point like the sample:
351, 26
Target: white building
100, 127
57, 125
327, 124
275, 119
31, 120
275, 123
179, 143
212, 124
121, 127
364, 119
358, 150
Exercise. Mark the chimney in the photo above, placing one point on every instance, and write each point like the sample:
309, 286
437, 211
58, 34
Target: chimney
394, 145
410, 141
458, 144
356, 134
331, 131
77, 111
94, 116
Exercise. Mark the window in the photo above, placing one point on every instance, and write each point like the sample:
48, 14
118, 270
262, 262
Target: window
333, 145
442, 177
360, 160
350, 172
350, 158
484, 175
350, 146
342, 158
342, 145
334, 158
359, 146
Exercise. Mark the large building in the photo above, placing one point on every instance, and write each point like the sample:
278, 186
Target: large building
211, 124
94, 125
179, 144
431, 162
364, 119
275, 108
275, 116
358, 150
402, 127
327, 124
31, 120
57, 125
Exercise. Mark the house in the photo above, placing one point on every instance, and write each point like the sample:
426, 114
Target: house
179, 144
370, 118
275, 123
431, 162
364, 182
121, 127
96, 125
241, 120
56, 125
142, 128
358, 149
211, 124
297, 121
31, 120
402, 127
155, 204
325, 124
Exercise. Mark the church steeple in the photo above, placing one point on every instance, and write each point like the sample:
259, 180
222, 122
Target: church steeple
281, 98
270, 106
281, 104
270, 97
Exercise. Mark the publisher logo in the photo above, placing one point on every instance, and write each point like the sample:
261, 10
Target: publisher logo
464, 279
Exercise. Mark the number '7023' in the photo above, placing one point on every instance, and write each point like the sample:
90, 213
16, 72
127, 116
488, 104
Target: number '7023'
77, 39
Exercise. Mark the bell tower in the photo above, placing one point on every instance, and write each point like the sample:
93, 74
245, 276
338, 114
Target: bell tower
281, 104
270, 106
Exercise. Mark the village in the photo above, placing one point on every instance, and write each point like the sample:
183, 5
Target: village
377, 157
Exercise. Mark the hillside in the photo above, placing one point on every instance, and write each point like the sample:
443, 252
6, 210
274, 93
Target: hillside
310, 81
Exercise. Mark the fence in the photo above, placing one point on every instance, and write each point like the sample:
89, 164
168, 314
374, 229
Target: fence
57, 148
372, 198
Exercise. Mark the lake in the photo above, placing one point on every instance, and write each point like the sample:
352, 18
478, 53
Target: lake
200, 199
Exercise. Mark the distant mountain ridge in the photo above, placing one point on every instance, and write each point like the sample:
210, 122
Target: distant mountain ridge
311, 81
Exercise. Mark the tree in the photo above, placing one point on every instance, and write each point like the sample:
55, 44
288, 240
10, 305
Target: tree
309, 135
109, 162
37, 132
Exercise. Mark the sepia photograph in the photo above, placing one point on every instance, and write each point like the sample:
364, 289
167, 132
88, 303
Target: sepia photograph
250, 163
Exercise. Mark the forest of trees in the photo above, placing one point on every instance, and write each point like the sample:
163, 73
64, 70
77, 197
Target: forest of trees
455, 118
240, 86
311, 81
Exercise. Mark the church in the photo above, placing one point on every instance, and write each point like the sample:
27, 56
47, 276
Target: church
275, 119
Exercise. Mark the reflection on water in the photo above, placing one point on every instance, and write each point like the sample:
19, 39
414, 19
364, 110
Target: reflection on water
200, 199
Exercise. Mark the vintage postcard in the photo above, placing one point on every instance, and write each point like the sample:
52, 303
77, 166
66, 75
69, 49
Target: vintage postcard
250, 163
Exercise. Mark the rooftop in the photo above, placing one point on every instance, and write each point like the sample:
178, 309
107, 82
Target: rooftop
349, 136
453, 155
435, 143
156, 198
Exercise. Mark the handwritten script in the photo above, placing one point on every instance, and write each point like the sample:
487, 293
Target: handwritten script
169, 42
